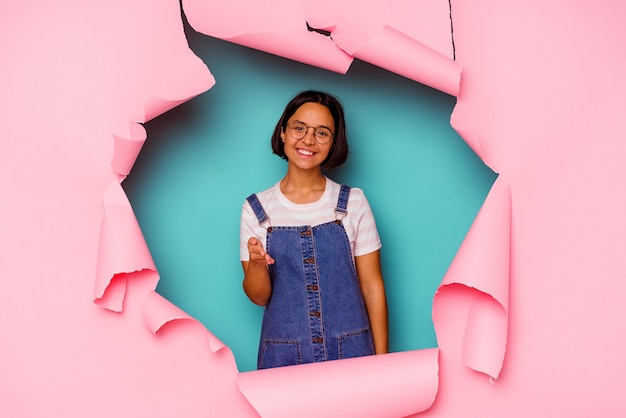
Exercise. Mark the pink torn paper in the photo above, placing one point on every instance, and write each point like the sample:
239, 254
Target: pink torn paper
352, 22
389, 385
126, 147
482, 264
409, 38
159, 312
393, 50
561, 154
122, 251
282, 32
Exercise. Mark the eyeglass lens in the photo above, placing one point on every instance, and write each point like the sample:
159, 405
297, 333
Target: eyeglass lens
321, 133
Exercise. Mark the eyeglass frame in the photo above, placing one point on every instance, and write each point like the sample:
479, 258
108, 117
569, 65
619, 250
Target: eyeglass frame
315, 128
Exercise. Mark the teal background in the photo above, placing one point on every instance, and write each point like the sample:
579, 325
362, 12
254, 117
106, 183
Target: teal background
202, 159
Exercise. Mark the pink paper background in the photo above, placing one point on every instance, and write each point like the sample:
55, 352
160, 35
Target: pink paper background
529, 318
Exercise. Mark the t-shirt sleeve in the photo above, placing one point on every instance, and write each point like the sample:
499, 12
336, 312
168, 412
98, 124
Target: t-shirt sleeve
246, 230
367, 238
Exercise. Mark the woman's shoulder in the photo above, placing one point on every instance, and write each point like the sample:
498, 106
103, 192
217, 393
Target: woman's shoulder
263, 195
356, 197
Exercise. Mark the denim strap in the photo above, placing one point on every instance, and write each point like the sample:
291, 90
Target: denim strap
342, 202
258, 209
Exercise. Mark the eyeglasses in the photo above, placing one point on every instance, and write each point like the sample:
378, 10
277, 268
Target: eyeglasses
298, 130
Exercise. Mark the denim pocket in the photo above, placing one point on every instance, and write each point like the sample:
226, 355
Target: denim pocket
276, 353
355, 344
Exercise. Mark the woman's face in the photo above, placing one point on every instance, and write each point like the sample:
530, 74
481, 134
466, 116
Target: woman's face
306, 153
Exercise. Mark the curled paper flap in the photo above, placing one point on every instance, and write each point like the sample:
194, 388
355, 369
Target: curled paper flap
406, 37
485, 339
396, 52
389, 385
307, 47
283, 32
113, 297
482, 265
126, 148
159, 312
483, 260
186, 82
351, 24
122, 249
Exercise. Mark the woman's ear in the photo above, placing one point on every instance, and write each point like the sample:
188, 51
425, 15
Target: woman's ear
282, 134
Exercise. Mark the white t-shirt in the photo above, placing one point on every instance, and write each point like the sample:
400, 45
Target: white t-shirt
359, 222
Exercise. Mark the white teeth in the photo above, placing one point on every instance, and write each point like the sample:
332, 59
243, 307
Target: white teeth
305, 152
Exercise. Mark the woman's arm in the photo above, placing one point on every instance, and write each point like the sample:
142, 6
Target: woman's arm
256, 280
373, 289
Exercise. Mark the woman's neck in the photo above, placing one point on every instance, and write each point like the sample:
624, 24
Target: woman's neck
303, 187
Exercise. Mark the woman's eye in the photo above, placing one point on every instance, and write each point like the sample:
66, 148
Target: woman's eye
323, 133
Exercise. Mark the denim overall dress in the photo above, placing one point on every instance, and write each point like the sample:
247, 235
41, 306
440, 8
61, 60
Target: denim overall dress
316, 311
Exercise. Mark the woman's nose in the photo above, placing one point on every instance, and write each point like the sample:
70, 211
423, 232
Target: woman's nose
309, 137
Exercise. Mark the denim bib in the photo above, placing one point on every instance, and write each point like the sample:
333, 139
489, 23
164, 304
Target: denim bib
316, 311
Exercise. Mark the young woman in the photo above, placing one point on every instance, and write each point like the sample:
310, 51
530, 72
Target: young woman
310, 247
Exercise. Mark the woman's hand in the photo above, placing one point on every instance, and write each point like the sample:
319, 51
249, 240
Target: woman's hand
256, 280
257, 253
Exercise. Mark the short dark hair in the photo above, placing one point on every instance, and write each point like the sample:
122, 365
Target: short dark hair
339, 150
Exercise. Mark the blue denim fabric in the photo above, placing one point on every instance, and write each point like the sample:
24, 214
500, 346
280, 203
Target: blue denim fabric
316, 311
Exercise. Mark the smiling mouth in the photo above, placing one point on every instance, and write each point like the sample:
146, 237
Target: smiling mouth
305, 152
